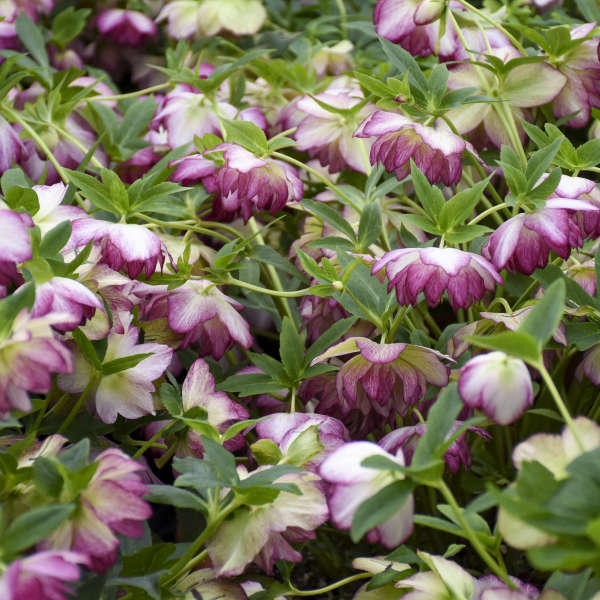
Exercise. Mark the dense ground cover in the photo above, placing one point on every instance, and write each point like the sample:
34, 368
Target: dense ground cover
299, 299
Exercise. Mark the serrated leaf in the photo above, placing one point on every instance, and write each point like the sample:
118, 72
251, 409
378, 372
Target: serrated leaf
246, 134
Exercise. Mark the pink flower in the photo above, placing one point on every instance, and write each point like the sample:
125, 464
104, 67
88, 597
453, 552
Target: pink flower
42, 576
133, 248
246, 184
436, 152
51, 211
384, 379
11, 146
111, 503
64, 295
201, 312
498, 385
29, 354
327, 135
319, 313
126, 26
352, 484
581, 66
15, 247
263, 533
465, 276
524, 241
285, 428
127, 392
198, 389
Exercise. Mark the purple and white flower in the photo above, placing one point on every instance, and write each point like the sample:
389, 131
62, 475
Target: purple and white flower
384, 379
132, 248
11, 146
464, 275
263, 533
497, 384
51, 211
199, 311
247, 183
111, 503
328, 135
127, 392
29, 354
435, 151
42, 576
126, 26
285, 428
351, 484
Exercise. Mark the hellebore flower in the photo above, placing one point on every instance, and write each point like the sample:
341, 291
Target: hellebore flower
133, 248
319, 313
407, 438
465, 276
285, 428
188, 18
201, 312
51, 211
491, 587
555, 452
328, 135
126, 26
246, 183
525, 86
436, 152
352, 484
445, 581
111, 503
15, 247
590, 365
11, 146
524, 241
497, 384
127, 392
186, 113
581, 66
29, 354
333, 59
198, 389
384, 378
42, 576
263, 533
64, 295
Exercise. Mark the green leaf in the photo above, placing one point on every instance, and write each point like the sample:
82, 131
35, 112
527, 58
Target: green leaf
440, 419
291, 349
404, 62
47, 477
540, 161
269, 256
270, 366
461, 206
430, 197
171, 399
238, 427
371, 223
247, 134
87, 349
55, 239
34, 525
32, 39
266, 452
589, 154
76, 456
173, 496
95, 191
22, 199
545, 317
124, 363
220, 460
68, 24
380, 507
515, 343
304, 447
12, 305
330, 216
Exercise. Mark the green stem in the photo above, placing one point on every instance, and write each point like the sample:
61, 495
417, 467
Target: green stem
328, 588
77, 406
150, 90
332, 186
487, 213
182, 226
560, 405
396, 323
151, 441
472, 536
343, 18
263, 290
69, 136
275, 281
